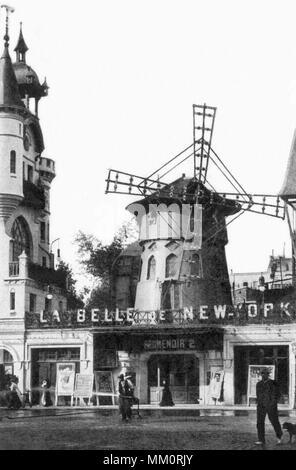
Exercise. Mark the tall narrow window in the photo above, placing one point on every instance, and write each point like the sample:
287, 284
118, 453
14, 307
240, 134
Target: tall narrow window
21, 239
12, 301
32, 304
30, 173
13, 162
151, 268
42, 231
44, 261
48, 305
195, 265
171, 266
47, 234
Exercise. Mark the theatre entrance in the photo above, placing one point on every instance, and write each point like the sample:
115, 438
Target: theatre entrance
180, 371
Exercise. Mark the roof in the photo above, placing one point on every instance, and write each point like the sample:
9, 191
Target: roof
288, 189
21, 45
9, 90
183, 191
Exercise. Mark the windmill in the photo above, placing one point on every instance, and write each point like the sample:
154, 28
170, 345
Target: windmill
198, 190
202, 154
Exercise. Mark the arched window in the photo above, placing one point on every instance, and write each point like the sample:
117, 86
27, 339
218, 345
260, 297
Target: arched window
6, 368
151, 268
195, 265
171, 266
13, 162
21, 238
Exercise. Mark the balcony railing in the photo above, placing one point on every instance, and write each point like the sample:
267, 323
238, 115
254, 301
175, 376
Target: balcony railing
38, 273
14, 269
47, 275
33, 195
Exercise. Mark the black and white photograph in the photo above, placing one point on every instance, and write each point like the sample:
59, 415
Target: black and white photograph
147, 228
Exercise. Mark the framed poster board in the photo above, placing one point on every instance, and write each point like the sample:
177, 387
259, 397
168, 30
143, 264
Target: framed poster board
216, 381
83, 387
65, 379
254, 376
104, 384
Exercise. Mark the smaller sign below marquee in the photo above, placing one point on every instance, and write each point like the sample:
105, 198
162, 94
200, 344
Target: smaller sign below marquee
170, 344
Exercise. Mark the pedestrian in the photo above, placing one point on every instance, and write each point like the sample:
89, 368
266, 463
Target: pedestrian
45, 397
268, 395
14, 396
125, 394
167, 399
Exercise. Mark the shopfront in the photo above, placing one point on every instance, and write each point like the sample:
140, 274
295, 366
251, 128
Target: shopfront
44, 366
178, 357
186, 354
245, 356
246, 347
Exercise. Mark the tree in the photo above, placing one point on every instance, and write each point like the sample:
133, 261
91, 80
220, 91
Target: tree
74, 300
97, 260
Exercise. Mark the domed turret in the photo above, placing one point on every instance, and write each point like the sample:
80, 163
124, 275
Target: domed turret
27, 78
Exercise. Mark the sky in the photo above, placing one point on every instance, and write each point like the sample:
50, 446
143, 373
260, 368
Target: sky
123, 76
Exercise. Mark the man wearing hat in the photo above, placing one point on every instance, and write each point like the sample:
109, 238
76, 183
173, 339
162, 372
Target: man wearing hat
125, 393
267, 392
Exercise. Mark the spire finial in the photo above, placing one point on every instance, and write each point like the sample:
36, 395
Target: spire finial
8, 10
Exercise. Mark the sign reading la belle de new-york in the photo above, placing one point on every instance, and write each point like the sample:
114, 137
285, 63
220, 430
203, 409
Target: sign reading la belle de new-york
246, 312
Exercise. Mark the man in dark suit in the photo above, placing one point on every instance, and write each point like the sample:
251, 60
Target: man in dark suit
268, 395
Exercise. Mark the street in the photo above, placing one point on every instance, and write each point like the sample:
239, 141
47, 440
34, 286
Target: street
93, 429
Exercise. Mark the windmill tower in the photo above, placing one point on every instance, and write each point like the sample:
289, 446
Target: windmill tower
183, 227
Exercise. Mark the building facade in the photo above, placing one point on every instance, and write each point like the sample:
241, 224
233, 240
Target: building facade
28, 281
173, 318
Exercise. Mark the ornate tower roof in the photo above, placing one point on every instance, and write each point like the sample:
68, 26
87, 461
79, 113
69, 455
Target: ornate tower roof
27, 78
9, 90
21, 48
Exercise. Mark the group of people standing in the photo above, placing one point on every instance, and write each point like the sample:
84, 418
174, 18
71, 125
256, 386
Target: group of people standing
127, 398
16, 399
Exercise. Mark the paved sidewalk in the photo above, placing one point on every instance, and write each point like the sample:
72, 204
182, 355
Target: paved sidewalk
159, 429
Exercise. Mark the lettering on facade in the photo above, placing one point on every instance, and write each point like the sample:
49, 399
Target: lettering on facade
169, 344
283, 312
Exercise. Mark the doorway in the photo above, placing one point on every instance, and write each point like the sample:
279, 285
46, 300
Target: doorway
260, 355
179, 371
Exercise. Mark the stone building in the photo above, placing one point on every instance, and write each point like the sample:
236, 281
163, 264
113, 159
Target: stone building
28, 281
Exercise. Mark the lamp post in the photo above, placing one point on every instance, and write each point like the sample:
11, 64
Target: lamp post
58, 253
57, 239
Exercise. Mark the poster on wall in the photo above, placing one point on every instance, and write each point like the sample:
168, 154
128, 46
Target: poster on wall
104, 384
83, 386
216, 382
254, 376
65, 379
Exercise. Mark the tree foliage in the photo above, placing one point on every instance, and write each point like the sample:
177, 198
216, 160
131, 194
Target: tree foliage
74, 300
98, 258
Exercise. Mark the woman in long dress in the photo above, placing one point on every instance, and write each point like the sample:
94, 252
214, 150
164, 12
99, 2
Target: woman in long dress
14, 396
167, 399
45, 397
